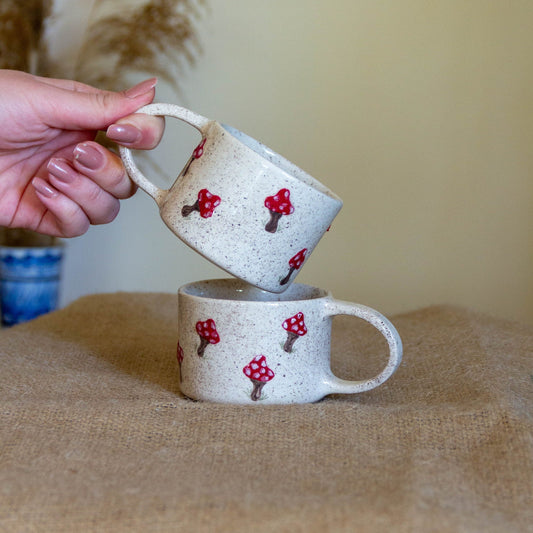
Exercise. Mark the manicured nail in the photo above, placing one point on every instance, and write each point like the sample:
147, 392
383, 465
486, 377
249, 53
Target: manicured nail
89, 156
43, 188
141, 88
124, 133
61, 169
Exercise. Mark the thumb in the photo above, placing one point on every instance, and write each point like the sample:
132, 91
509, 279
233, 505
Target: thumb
86, 108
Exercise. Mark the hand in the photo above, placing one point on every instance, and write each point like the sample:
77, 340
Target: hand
54, 178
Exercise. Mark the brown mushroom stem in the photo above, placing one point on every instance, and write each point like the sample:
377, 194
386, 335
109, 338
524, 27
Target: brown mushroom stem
188, 209
291, 337
272, 224
258, 387
203, 344
286, 279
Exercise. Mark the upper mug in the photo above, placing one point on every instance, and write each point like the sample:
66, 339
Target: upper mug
242, 206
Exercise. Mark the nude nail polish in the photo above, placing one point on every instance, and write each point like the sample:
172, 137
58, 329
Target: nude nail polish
124, 133
44, 188
141, 88
61, 170
89, 156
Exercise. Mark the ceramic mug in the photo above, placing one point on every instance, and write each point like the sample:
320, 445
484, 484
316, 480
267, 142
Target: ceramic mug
242, 206
240, 344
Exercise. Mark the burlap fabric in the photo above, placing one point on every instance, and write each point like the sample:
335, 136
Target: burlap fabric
96, 437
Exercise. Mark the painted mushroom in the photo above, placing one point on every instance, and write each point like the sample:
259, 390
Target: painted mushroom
259, 374
294, 264
197, 153
179, 355
208, 334
278, 205
295, 327
205, 204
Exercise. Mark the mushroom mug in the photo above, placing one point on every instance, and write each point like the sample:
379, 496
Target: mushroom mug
240, 205
240, 344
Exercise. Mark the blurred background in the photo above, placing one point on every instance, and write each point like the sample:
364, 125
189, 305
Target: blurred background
419, 114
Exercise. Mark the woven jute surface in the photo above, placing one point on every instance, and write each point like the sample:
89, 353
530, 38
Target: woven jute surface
95, 435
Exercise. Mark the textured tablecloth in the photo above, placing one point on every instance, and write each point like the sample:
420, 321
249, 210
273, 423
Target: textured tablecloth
95, 435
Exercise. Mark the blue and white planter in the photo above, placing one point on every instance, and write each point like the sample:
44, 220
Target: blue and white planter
29, 282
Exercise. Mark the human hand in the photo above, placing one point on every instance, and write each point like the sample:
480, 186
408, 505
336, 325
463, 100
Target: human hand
54, 178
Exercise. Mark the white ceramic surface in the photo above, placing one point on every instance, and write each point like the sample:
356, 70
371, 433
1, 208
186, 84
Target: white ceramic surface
240, 344
241, 205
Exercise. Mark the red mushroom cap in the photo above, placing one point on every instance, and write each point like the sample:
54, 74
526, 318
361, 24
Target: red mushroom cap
297, 261
280, 202
258, 370
207, 203
208, 331
296, 324
199, 150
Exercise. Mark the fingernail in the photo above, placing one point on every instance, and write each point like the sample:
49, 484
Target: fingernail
124, 133
43, 188
61, 170
141, 88
89, 156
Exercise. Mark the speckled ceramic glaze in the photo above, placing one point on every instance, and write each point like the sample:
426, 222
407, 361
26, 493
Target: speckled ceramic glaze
240, 205
240, 344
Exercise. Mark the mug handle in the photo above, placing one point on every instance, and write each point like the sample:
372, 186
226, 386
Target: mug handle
384, 326
169, 110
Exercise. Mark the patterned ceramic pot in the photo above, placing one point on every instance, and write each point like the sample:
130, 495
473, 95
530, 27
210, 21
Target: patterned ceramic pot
29, 282
241, 205
240, 344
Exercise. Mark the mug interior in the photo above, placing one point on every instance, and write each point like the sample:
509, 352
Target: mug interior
278, 160
237, 290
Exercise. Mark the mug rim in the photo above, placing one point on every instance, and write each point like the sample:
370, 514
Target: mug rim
284, 165
236, 290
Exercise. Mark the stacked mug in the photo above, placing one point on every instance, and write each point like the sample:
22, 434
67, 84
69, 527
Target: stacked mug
256, 338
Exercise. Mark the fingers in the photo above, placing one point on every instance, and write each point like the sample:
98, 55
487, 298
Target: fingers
87, 189
138, 131
98, 205
104, 168
73, 106
83, 192
62, 216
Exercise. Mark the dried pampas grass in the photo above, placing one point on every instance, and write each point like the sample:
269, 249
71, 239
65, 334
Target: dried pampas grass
152, 37
22, 25
157, 37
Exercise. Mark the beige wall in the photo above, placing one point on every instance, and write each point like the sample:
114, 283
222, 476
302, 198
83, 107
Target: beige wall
418, 113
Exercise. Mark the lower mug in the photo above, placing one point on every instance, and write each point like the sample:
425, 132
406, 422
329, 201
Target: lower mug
240, 344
